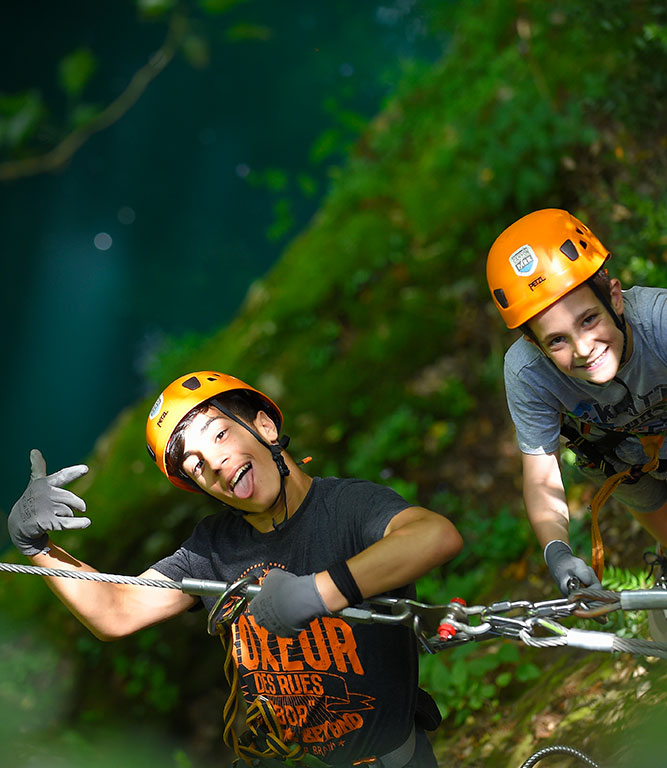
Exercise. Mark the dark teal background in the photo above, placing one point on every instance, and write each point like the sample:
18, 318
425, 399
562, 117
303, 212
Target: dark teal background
80, 324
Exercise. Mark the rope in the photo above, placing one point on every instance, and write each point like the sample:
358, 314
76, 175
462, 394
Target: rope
651, 445
264, 737
91, 576
558, 749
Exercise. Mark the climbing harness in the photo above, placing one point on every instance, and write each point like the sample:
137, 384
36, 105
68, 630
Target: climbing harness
437, 627
594, 454
264, 738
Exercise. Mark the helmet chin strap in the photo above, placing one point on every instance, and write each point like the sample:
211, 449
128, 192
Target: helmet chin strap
619, 320
276, 450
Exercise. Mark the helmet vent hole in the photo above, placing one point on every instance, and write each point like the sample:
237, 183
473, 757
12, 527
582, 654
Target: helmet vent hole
583, 244
192, 383
501, 298
580, 231
569, 249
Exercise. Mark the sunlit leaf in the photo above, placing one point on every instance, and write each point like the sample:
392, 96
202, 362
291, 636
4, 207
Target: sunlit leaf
155, 8
504, 679
76, 70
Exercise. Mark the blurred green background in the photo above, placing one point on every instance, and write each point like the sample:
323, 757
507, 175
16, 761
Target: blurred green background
156, 227
305, 196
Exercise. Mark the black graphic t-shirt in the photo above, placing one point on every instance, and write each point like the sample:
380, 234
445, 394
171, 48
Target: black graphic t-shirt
344, 691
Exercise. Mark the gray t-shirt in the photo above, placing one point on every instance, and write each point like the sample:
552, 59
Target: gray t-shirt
344, 691
634, 401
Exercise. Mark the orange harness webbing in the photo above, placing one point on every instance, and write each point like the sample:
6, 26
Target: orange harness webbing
651, 445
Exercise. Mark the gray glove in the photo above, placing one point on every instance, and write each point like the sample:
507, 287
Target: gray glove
563, 566
286, 604
45, 506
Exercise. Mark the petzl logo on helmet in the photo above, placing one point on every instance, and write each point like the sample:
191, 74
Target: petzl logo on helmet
524, 261
157, 407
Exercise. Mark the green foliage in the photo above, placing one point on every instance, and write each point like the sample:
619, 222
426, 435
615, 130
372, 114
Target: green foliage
155, 8
627, 623
374, 331
467, 678
219, 6
241, 32
76, 70
20, 116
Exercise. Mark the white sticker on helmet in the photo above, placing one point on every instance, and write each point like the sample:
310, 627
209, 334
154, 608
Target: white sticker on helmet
524, 261
157, 407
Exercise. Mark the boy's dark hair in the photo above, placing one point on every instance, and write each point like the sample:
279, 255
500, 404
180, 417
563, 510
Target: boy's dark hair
245, 405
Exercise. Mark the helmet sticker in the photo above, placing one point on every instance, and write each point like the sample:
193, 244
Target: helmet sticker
524, 261
157, 407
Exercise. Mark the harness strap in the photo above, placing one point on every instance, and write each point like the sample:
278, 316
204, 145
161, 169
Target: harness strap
651, 445
593, 452
397, 758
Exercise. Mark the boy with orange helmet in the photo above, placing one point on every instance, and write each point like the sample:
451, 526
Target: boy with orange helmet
343, 692
591, 365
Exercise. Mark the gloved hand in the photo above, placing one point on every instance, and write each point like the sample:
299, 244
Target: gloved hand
286, 604
45, 506
563, 566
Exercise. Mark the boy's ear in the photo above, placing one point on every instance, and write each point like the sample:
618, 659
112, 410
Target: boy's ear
531, 340
266, 426
616, 295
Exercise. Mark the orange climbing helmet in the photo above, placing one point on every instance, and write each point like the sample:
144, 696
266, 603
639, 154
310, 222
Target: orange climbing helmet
539, 259
179, 398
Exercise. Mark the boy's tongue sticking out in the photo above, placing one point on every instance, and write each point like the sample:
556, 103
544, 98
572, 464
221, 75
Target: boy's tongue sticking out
244, 482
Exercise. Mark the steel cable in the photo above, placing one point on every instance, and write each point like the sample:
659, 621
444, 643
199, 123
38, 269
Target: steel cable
91, 576
640, 647
559, 749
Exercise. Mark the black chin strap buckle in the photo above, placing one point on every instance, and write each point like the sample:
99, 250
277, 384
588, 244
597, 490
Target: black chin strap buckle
276, 452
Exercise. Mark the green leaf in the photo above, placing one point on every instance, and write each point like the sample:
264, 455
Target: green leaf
508, 653
219, 6
196, 50
240, 32
527, 672
83, 114
459, 672
155, 8
20, 116
327, 143
76, 70
504, 679
283, 220
307, 185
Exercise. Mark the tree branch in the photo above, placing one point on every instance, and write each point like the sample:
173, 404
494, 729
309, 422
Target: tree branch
62, 153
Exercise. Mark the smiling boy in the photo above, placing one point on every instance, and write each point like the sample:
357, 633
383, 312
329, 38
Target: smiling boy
591, 365
343, 692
